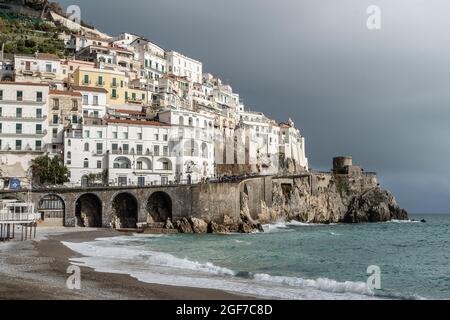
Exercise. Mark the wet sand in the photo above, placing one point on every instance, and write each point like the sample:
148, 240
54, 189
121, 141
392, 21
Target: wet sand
37, 270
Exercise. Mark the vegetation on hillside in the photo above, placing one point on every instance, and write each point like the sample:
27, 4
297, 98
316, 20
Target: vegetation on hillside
27, 36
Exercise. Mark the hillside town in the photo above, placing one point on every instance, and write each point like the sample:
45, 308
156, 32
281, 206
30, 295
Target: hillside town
123, 111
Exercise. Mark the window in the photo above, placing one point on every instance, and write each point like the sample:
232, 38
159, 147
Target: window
165, 137
126, 95
55, 119
99, 148
139, 149
139, 165
87, 133
141, 181
1, 94
133, 96
74, 118
39, 113
86, 163
39, 96
55, 133
99, 134
143, 97
19, 112
166, 165
38, 145
0, 144
139, 136
19, 95
48, 67
99, 164
86, 146
96, 114
125, 135
156, 137
85, 99
69, 155
1, 127
18, 145
114, 93
115, 135
156, 150
69, 143
1, 110
125, 148
114, 82
39, 129
100, 81
18, 128
75, 104
86, 79
165, 151
95, 100
55, 104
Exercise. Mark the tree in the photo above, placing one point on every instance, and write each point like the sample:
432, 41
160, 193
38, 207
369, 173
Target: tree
48, 170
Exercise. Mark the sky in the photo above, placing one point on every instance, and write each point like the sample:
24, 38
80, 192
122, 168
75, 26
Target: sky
381, 96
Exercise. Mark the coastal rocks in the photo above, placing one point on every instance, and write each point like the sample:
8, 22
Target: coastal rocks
217, 228
169, 224
376, 205
198, 225
184, 226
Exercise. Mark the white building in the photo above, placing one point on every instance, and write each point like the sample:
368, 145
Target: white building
94, 101
39, 68
184, 66
23, 122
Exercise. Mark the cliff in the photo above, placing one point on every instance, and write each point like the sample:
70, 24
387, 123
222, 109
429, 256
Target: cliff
332, 198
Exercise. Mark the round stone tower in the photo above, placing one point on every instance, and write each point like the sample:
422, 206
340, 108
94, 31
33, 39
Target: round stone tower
341, 164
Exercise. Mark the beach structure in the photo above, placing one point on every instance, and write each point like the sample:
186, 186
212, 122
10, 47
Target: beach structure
17, 214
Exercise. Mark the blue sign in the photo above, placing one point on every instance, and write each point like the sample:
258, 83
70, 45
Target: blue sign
14, 184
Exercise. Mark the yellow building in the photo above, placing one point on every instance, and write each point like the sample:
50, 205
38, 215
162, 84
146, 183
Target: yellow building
114, 82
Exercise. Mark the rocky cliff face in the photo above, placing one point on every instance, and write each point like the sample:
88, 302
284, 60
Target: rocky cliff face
328, 198
316, 198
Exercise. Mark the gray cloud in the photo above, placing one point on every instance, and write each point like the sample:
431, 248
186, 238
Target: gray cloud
381, 96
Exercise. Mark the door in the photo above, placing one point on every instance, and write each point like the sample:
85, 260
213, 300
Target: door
141, 181
27, 65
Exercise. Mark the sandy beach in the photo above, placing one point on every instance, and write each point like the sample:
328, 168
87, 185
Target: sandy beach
37, 270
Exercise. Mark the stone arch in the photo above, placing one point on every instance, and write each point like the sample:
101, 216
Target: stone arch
190, 148
159, 206
88, 211
125, 210
52, 209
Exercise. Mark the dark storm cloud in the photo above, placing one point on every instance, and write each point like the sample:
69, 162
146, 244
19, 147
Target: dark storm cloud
381, 96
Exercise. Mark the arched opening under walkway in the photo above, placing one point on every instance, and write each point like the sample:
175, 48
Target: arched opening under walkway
125, 211
52, 210
159, 206
88, 211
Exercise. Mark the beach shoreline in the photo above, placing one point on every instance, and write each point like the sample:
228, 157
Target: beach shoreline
38, 270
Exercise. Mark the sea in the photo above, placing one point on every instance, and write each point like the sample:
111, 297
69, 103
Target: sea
399, 260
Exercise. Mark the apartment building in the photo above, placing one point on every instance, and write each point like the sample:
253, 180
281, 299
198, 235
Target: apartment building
183, 66
23, 122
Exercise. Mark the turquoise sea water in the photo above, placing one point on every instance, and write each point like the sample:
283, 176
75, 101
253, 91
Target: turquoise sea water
291, 261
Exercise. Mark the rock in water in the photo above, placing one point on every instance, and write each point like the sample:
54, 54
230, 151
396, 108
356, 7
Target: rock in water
184, 226
217, 228
198, 225
376, 205
168, 224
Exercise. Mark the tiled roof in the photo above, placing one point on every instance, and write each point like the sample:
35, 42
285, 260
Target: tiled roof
65, 93
139, 122
81, 88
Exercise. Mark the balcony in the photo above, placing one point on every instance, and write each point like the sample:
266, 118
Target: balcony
86, 83
23, 119
47, 75
22, 134
114, 85
115, 97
